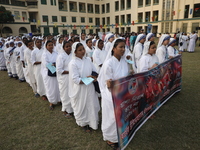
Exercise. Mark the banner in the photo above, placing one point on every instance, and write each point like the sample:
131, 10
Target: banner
139, 96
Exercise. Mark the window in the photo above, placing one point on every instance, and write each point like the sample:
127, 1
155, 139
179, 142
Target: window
91, 31
148, 2
117, 19
97, 21
46, 31
17, 16
62, 6
108, 20
17, 3
54, 19
4, 2
140, 17
122, 5
73, 19
117, 6
103, 9
55, 2
82, 31
63, 19
147, 16
140, 3
82, 7
73, 6
45, 18
55, 31
74, 31
107, 7
51, 2
103, 21
82, 19
128, 4
187, 7
155, 16
90, 8
128, 17
43, 2
90, 20
122, 19
155, 2
196, 11
97, 11
24, 15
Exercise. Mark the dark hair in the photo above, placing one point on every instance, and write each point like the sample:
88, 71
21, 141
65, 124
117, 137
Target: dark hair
64, 43
88, 40
116, 43
151, 43
70, 40
83, 33
78, 45
28, 41
49, 41
76, 38
60, 38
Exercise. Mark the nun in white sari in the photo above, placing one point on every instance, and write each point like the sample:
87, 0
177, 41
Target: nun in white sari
51, 83
138, 50
82, 39
192, 43
99, 55
148, 60
36, 59
62, 69
108, 41
59, 44
149, 37
83, 97
161, 51
172, 51
115, 67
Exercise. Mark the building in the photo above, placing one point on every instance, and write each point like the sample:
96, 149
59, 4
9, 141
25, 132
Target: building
91, 16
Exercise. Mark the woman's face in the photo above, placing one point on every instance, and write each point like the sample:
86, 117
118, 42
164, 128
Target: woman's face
30, 45
173, 44
111, 39
100, 45
82, 36
142, 40
166, 42
80, 52
119, 49
38, 43
19, 44
152, 49
89, 43
50, 46
68, 48
152, 38
61, 40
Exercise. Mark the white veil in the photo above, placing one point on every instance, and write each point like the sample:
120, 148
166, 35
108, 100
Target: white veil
162, 39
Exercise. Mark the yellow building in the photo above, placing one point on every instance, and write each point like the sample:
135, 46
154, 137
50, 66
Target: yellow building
92, 16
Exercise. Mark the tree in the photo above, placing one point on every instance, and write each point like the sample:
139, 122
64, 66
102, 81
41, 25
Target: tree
6, 16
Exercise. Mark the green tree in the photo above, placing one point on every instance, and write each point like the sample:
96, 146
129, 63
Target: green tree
6, 16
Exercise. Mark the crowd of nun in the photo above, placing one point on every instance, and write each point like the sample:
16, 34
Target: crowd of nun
75, 57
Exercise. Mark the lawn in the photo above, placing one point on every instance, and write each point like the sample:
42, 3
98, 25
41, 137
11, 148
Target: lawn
26, 123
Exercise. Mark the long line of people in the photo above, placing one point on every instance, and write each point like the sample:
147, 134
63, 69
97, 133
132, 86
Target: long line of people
76, 58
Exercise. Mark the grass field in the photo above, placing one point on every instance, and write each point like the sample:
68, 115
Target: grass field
27, 124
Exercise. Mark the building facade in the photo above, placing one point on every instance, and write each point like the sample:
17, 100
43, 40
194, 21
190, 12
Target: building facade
91, 16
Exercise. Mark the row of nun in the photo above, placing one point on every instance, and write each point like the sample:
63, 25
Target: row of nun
108, 59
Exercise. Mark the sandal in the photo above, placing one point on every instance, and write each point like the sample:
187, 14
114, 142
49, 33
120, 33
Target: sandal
114, 146
51, 107
67, 115
87, 129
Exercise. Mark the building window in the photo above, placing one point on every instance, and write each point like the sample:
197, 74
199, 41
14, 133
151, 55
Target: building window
90, 20
122, 5
24, 15
45, 18
83, 31
140, 3
128, 4
187, 7
196, 11
103, 21
90, 8
117, 6
17, 16
91, 31
97, 11
82, 19
16, 3
155, 16
147, 16
4, 2
55, 31
148, 2
63, 19
43, 2
108, 20
62, 6
74, 31
46, 31
103, 9
73, 6
54, 19
128, 17
55, 2
51, 2
155, 2
108, 7
140, 17
73, 19
82, 7
122, 19
97, 21
117, 19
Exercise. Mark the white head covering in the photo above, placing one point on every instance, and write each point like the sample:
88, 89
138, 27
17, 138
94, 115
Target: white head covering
109, 54
146, 48
108, 36
172, 40
149, 36
73, 49
162, 39
139, 37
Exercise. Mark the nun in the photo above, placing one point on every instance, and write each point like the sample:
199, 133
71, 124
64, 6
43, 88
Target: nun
148, 60
62, 69
161, 51
172, 51
115, 67
83, 97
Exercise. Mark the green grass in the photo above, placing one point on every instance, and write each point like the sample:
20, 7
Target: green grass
27, 124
